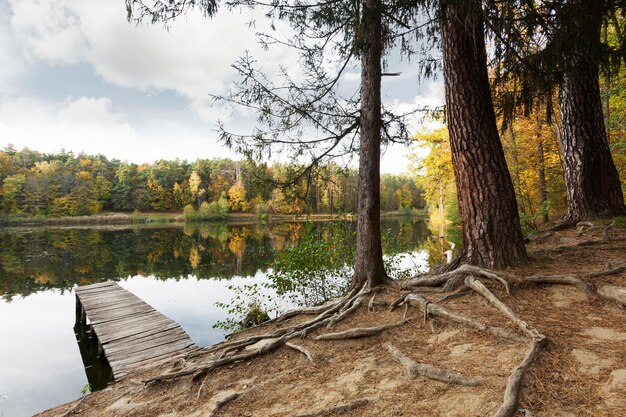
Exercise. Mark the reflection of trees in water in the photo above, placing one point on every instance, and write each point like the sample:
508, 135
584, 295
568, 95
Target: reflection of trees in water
40, 259
442, 239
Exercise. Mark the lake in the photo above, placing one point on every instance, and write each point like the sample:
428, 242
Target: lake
182, 271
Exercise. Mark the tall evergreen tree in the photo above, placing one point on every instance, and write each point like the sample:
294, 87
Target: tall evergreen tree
492, 234
592, 181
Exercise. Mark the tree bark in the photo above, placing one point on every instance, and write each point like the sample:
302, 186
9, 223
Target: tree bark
492, 233
369, 268
591, 179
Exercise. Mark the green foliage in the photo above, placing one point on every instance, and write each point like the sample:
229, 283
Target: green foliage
36, 184
318, 268
434, 173
251, 306
216, 210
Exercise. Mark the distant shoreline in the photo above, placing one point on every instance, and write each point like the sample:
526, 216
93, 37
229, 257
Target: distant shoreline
163, 218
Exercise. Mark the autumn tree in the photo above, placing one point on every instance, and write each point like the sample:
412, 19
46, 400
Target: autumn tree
436, 167
237, 200
195, 187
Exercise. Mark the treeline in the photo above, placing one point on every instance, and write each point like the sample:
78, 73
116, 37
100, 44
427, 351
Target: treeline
64, 184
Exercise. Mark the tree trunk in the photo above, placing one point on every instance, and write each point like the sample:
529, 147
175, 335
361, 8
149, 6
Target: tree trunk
369, 268
541, 175
591, 179
492, 234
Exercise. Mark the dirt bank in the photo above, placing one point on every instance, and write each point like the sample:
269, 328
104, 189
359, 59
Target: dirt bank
581, 371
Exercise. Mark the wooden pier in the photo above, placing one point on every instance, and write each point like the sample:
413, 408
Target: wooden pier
130, 332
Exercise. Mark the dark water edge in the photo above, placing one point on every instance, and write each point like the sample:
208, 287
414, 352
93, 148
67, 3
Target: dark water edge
181, 271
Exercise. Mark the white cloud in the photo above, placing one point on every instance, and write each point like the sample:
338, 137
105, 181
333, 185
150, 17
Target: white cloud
48, 30
192, 58
93, 125
10, 57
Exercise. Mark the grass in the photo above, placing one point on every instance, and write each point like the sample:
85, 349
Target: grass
95, 219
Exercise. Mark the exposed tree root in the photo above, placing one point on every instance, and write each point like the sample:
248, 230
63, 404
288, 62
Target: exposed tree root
398, 301
611, 271
203, 369
415, 369
459, 282
457, 294
451, 280
478, 286
542, 236
359, 332
589, 243
436, 310
509, 405
302, 350
332, 314
223, 402
311, 311
587, 227
560, 279
337, 409
323, 318
351, 306
370, 305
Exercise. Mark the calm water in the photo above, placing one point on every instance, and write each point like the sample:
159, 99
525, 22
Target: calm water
181, 271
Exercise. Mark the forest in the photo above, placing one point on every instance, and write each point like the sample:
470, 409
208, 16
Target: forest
64, 184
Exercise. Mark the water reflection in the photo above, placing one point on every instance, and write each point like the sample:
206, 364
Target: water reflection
43, 259
99, 373
180, 271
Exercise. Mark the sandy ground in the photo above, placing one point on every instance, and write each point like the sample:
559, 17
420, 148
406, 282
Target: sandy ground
581, 372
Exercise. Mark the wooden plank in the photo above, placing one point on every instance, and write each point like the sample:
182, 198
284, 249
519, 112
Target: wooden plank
102, 293
104, 309
119, 313
131, 321
96, 285
143, 335
109, 296
131, 351
85, 288
113, 286
131, 332
117, 296
148, 342
157, 359
109, 326
122, 333
116, 306
95, 304
152, 353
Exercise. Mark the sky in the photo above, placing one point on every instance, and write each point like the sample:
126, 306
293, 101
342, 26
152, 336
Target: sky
76, 75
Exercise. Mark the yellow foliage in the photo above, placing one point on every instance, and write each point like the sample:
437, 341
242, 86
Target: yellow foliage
237, 198
194, 257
